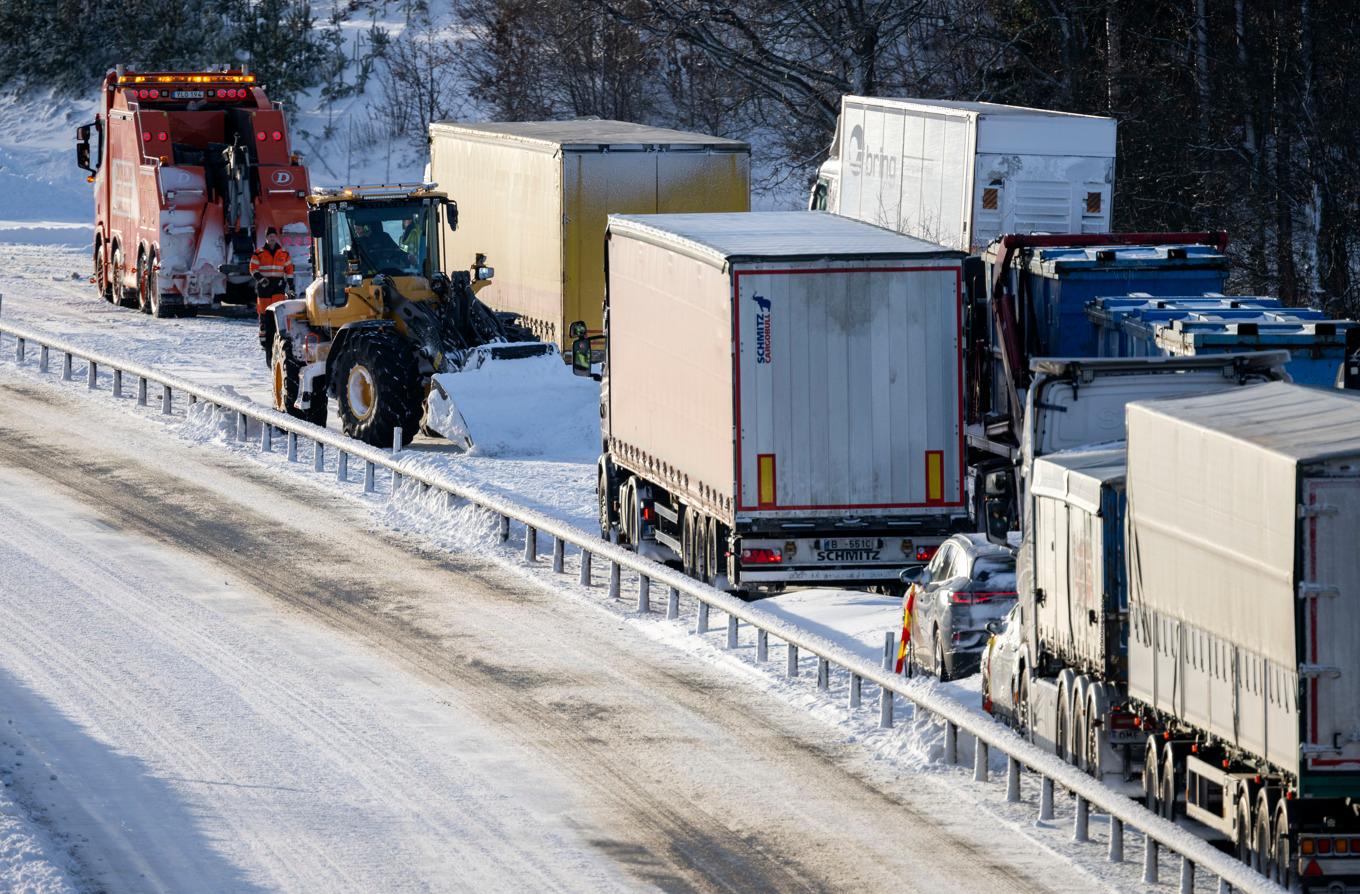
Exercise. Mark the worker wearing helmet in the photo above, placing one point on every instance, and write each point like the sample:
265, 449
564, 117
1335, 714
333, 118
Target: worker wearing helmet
272, 269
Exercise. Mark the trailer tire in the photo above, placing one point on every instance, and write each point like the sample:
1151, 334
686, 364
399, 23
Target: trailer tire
1282, 849
1262, 846
690, 560
287, 375
1243, 828
607, 496
1152, 786
1172, 771
377, 381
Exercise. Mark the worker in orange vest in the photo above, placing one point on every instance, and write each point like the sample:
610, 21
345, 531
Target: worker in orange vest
272, 269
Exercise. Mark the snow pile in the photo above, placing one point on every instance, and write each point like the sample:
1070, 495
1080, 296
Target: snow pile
26, 855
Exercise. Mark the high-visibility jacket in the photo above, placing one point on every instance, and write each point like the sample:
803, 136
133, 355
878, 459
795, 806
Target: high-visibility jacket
272, 270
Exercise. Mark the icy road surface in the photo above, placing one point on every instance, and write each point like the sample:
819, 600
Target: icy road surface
221, 680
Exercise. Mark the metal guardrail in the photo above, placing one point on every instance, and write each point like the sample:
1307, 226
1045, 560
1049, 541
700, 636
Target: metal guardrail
1197, 855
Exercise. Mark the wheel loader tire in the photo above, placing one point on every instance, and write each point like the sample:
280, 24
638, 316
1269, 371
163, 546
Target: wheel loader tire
378, 384
287, 375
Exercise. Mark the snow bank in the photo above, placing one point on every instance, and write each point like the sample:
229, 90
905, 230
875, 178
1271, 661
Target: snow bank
27, 857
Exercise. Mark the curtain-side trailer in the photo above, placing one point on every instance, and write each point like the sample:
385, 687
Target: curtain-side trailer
781, 397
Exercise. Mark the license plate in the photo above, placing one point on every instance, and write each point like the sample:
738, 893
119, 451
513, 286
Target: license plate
849, 549
187, 94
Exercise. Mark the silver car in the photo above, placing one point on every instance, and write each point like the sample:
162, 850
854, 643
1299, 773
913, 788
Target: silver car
967, 585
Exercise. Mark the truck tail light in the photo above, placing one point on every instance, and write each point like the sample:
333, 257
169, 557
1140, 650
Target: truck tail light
761, 557
925, 553
1123, 720
647, 514
162, 136
146, 136
155, 94
261, 136
276, 135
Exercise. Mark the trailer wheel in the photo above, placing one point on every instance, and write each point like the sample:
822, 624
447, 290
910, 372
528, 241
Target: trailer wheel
690, 562
1283, 857
378, 384
1080, 722
1171, 773
287, 375
101, 271
1242, 831
712, 551
1152, 786
607, 495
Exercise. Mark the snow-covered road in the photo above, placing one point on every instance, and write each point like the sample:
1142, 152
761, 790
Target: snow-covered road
220, 679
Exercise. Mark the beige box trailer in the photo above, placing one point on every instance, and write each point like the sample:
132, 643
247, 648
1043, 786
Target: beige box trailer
788, 385
1244, 573
533, 196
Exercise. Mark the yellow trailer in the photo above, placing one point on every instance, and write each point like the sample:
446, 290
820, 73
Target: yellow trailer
536, 196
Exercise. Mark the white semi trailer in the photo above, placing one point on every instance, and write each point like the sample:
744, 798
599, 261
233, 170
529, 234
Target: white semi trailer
963, 173
782, 396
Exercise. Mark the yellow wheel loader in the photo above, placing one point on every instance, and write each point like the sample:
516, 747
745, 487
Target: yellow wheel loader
382, 321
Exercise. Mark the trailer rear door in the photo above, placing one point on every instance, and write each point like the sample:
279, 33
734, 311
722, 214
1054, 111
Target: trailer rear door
1330, 593
849, 388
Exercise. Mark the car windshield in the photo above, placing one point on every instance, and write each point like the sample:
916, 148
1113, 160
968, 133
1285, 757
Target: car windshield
389, 239
1000, 572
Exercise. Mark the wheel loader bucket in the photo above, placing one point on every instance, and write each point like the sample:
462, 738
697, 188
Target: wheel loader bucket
513, 350
442, 416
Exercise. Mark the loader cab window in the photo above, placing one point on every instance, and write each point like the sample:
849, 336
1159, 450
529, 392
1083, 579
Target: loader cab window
388, 239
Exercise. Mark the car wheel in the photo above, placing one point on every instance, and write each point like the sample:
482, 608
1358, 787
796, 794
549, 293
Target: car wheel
942, 668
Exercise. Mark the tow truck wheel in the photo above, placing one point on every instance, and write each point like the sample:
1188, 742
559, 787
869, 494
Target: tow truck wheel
101, 272
287, 373
151, 290
378, 383
117, 291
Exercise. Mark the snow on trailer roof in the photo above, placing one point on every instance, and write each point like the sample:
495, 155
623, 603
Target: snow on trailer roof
1076, 476
1300, 423
586, 133
785, 235
977, 108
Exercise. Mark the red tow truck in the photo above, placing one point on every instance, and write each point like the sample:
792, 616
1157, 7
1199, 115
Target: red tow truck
189, 171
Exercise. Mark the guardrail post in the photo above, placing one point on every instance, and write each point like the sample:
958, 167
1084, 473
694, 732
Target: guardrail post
885, 708
368, 476
43, 358
530, 543
645, 594
762, 646
823, 673
91, 374
342, 466
167, 401
504, 528
1149, 860
791, 660
243, 428
1012, 780
266, 438
856, 688
292, 446
1116, 840
951, 742
141, 383
117, 383
979, 760
558, 555
1224, 887
1081, 825
701, 625
1046, 800
672, 604
66, 366
19, 350
585, 568
613, 579
318, 456
396, 482
731, 631
1187, 875
396, 440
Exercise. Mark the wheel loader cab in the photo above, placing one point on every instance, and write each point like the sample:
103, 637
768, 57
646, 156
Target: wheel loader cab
358, 241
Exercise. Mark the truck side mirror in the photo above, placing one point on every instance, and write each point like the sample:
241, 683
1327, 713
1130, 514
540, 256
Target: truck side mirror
577, 330
83, 148
451, 214
584, 355
316, 221
998, 504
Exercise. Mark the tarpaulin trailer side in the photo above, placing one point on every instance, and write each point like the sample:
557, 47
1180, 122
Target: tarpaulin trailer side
790, 373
